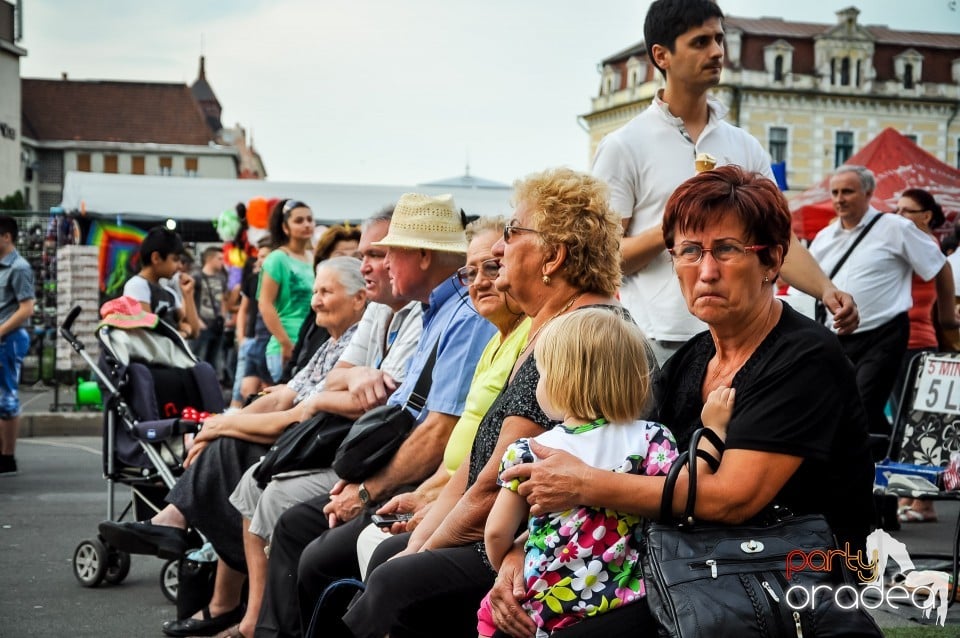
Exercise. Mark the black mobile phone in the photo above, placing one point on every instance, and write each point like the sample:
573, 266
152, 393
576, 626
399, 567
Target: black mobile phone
386, 520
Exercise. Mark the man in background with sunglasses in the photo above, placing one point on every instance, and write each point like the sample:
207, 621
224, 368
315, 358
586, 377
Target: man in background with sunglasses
644, 161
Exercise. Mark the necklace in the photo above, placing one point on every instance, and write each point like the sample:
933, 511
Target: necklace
536, 334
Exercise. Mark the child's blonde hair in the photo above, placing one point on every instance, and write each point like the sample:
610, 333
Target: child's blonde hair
594, 364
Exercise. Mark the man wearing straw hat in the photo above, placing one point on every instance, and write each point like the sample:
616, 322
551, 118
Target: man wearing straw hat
425, 246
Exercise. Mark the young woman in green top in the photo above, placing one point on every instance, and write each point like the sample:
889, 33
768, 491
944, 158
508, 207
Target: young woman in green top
286, 280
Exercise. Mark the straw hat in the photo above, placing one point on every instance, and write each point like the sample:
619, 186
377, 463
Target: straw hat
426, 222
126, 312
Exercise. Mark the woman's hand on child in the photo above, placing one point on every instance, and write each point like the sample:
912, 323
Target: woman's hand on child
553, 483
505, 595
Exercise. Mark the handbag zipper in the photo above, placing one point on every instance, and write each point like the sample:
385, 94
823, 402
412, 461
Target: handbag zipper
713, 564
770, 591
796, 621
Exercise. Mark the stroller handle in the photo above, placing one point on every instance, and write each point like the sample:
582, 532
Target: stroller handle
67, 324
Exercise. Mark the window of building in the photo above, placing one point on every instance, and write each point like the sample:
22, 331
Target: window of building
908, 76
778, 69
778, 144
844, 147
109, 163
166, 165
190, 164
83, 162
845, 72
833, 71
912, 138
138, 165
859, 65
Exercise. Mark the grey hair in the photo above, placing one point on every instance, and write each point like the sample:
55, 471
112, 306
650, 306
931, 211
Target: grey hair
348, 272
385, 214
484, 224
867, 179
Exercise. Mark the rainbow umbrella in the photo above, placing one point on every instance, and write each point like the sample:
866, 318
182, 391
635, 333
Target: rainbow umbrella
119, 252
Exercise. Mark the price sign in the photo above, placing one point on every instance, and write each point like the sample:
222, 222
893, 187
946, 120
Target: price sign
938, 388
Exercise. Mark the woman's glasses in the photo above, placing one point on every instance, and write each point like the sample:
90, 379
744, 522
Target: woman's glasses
510, 229
725, 252
908, 211
489, 269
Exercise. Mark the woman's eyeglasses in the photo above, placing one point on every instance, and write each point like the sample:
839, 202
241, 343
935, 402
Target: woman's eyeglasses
510, 229
724, 252
908, 211
489, 268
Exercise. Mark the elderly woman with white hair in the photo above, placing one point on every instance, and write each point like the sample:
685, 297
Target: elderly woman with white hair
228, 444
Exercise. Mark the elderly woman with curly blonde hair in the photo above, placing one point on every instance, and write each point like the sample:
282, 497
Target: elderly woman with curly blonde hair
560, 252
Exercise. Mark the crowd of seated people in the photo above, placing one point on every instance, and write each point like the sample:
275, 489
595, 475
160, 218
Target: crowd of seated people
541, 386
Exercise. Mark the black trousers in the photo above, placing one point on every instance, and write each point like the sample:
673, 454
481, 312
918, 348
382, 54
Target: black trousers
429, 594
876, 355
296, 528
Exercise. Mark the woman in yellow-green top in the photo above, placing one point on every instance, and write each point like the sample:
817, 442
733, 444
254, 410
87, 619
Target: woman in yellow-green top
286, 280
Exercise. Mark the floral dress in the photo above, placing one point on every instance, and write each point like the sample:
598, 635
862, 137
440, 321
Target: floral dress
585, 561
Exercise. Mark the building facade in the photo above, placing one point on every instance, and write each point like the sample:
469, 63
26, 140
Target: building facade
813, 94
12, 164
126, 128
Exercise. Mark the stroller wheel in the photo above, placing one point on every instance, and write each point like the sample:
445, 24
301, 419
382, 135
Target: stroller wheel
170, 579
118, 566
90, 562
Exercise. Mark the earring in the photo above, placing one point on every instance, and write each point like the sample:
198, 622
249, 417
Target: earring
546, 280
766, 279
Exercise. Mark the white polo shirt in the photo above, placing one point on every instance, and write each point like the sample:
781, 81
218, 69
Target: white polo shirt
643, 163
383, 331
879, 270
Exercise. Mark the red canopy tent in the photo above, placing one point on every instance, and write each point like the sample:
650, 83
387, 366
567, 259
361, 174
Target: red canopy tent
898, 164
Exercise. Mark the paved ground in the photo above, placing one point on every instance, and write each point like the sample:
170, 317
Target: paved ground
59, 497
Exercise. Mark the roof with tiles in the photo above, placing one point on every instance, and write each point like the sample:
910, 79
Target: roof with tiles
780, 28
112, 111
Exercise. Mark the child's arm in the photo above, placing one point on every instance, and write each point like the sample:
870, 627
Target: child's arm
716, 414
509, 511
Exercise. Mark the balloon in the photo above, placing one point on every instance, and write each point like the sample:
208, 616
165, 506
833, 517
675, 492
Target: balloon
257, 212
227, 225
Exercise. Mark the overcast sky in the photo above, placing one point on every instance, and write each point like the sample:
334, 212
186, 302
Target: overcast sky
389, 91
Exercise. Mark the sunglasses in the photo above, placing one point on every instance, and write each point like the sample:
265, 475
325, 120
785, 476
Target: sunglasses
489, 268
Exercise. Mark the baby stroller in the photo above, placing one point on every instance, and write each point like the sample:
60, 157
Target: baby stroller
149, 376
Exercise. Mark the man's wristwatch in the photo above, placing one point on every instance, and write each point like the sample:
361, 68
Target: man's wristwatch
363, 494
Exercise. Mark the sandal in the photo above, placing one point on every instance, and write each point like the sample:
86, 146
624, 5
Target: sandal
913, 516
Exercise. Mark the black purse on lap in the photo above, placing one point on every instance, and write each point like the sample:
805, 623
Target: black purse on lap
731, 580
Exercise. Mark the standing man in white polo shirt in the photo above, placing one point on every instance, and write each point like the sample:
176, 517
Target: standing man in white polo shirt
877, 272
645, 160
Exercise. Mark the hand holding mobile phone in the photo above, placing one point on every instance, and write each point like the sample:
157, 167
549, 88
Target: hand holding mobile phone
386, 520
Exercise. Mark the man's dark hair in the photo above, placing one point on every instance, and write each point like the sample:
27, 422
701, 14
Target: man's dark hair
209, 252
9, 225
162, 241
669, 19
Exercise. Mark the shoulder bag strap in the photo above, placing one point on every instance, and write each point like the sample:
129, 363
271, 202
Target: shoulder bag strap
856, 241
418, 398
213, 300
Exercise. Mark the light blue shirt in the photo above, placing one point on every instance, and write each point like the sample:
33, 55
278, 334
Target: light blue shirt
450, 316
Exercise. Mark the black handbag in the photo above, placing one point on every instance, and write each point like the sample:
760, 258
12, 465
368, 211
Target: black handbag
731, 580
377, 435
308, 445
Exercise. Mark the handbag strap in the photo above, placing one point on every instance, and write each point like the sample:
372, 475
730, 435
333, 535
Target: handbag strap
856, 241
418, 398
688, 458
